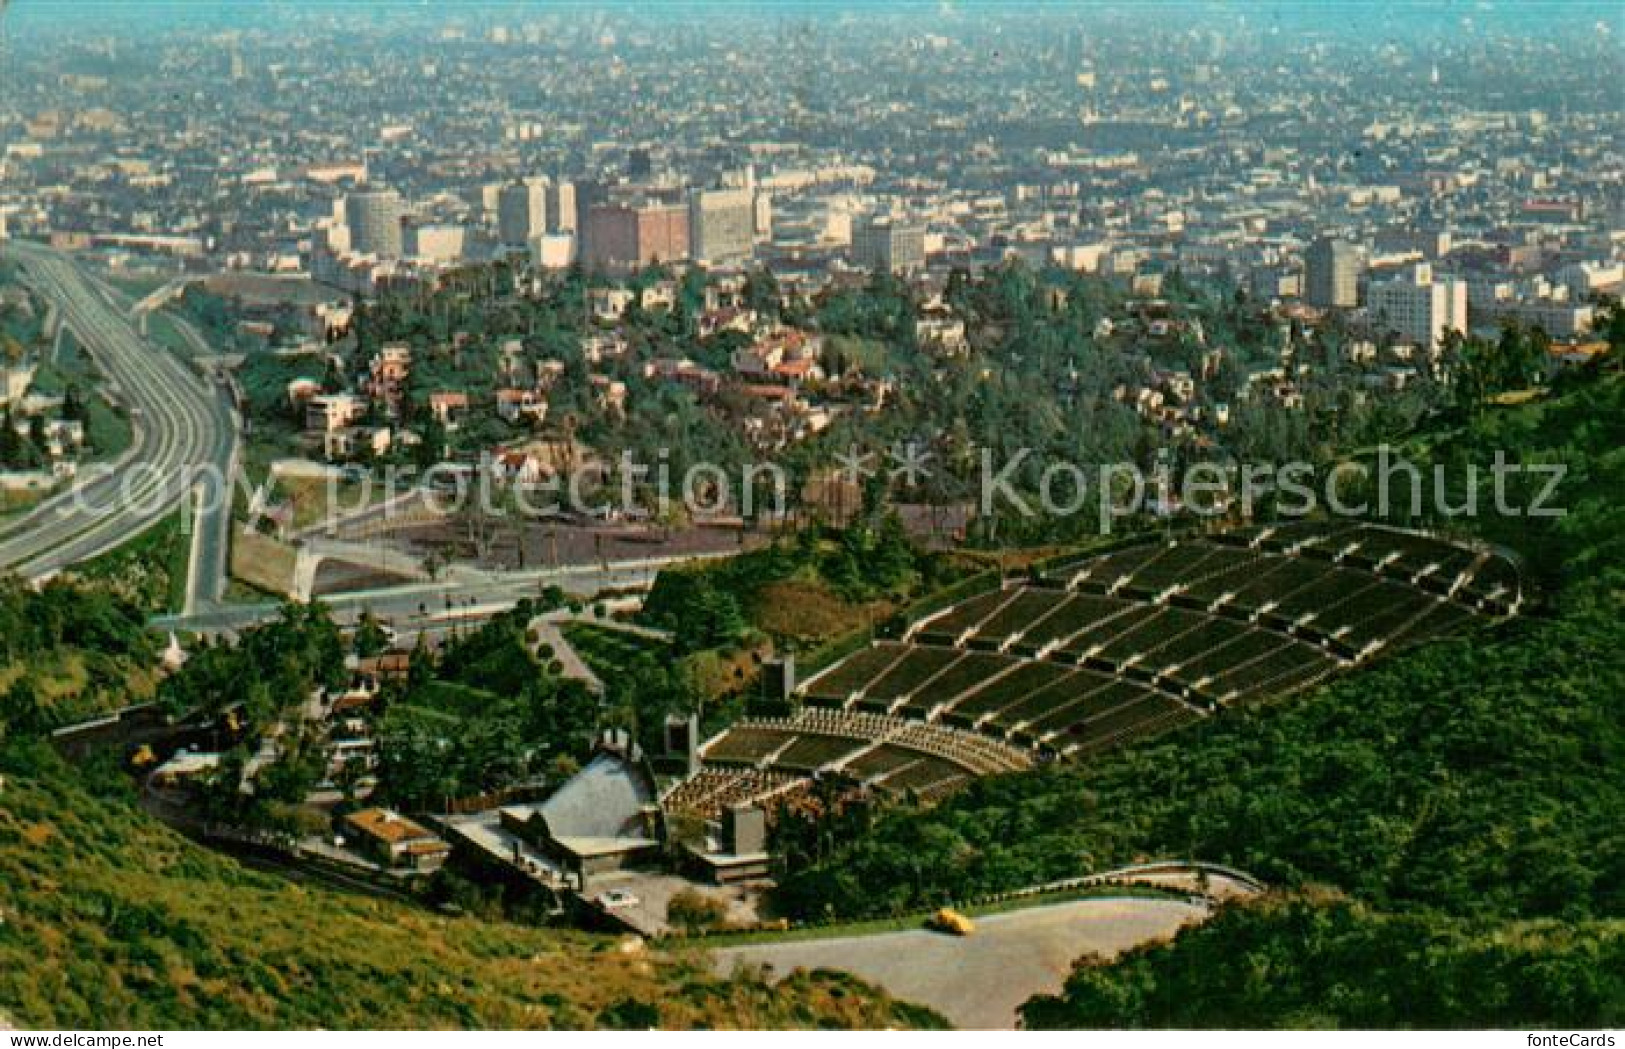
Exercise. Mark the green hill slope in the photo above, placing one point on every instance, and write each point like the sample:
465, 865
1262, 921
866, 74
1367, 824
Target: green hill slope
113, 921
1318, 962
109, 920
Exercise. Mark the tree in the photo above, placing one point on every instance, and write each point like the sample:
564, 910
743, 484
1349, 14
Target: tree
73, 404
693, 911
23, 712
370, 638
13, 452
431, 446
762, 292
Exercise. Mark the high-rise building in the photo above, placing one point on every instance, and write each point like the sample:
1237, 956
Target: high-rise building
721, 225
561, 208
588, 195
374, 220
764, 217
627, 236
1333, 274
1419, 307
887, 245
522, 211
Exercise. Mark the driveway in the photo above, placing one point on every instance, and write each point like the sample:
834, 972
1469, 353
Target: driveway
978, 981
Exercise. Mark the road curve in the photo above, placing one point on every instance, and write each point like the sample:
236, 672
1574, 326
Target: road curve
180, 423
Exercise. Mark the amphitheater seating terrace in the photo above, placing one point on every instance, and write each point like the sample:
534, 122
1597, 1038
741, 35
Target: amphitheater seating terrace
1100, 651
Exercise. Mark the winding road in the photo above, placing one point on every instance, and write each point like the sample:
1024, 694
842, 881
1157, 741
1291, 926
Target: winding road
181, 423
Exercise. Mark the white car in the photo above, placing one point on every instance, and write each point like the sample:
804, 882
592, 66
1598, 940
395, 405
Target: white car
616, 899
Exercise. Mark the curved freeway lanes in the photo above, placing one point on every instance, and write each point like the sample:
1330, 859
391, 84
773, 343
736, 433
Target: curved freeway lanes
180, 424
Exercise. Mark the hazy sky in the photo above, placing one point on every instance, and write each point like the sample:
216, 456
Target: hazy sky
1394, 17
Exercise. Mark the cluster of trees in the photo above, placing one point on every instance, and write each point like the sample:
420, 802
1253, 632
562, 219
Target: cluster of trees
491, 712
711, 606
269, 669
699, 606
19, 450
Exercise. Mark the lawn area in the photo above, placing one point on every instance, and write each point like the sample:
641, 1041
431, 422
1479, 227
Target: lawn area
107, 429
609, 651
162, 329
137, 285
262, 562
15, 504
315, 499
805, 610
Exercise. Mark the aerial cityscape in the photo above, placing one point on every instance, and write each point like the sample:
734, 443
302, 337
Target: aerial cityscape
802, 515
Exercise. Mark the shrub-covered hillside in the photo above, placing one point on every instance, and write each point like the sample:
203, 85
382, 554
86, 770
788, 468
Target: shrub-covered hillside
1314, 961
112, 921
108, 920
69, 653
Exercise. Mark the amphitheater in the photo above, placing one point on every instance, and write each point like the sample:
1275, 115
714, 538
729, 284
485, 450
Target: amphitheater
1091, 653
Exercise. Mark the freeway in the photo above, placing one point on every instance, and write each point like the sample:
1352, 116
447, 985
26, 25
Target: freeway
180, 423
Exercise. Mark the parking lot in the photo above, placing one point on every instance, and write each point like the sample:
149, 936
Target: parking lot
979, 981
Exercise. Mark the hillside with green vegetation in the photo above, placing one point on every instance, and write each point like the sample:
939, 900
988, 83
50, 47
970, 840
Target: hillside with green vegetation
1466, 794
69, 653
113, 922
796, 592
109, 920
1319, 961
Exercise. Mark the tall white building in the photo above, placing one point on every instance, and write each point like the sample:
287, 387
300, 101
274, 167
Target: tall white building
886, 245
721, 224
1419, 307
561, 207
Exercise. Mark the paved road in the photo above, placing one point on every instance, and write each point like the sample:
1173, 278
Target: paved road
179, 422
416, 606
979, 981
548, 633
